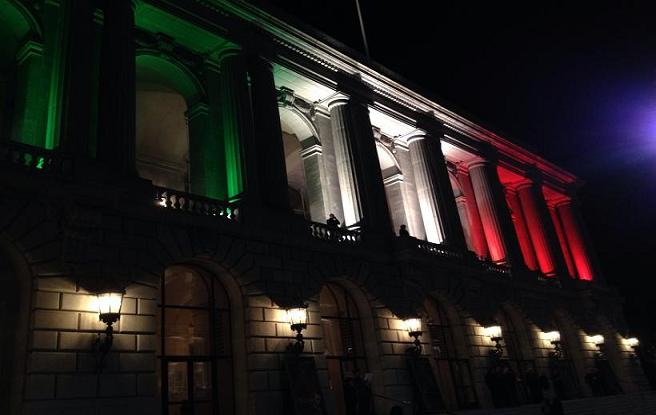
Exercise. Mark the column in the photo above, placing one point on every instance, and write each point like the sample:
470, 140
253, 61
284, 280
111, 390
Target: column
409, 191
270, 153
539, 227
436, 200
358, 169
315, 176
395, 200
562, 240
461, 204
117, 95
236, 120
519, 222
575, 240
77, 92
477, 233
497, 224
31, 102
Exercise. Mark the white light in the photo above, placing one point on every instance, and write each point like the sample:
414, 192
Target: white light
597, 339
492, 332
553, 336
297, 315
412, 325
109, 305
633, 342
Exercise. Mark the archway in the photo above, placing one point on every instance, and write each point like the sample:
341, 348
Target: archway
347, 360
454, 372
196, 343
165, 94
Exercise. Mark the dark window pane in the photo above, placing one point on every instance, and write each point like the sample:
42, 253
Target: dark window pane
177, 379
186, 288
202, 408
202, 381
187, 332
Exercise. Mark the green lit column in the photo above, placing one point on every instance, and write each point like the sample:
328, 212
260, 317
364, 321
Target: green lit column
269, 152
236, 120
117, 95
31, 103
206, 152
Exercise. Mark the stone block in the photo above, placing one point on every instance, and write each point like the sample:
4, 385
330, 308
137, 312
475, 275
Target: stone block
51, 362
256, 344
275, 345
147, 307
255, 314
77, 385
275, 314
86, 362
59, 284
40, 387
91, 321
146, 342
118, 385
395, 324
137, 362
284, 330
264, 362
262, 329
138, 324
124, 342
258, 381
45, 319
47, 300
44, 340
141, 291
147, 384
129, 306
259, 301
79, 302
388, 335
76, 341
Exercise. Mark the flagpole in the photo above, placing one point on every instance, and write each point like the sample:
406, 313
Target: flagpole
364, 36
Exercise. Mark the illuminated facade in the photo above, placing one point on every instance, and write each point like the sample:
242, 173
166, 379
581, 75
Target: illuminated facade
191, 164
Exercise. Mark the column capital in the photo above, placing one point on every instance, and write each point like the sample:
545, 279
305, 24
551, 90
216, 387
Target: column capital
523, 184
230, 52
336, 100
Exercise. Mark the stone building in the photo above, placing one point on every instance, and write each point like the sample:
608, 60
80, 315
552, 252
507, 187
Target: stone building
186, 155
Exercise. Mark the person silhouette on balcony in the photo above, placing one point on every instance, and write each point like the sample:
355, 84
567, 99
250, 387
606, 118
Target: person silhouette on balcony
333, 226
403, 232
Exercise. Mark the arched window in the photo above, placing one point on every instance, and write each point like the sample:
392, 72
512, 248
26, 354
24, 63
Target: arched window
164, 94
344, 344
454, 372
195, 348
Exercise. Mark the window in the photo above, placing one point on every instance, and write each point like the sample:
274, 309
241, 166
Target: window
196, 361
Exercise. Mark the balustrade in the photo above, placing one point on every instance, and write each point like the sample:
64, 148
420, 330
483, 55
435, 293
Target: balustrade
327, 233
194, 204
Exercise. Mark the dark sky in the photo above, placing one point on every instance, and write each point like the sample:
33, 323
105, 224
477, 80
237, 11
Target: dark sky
575, 83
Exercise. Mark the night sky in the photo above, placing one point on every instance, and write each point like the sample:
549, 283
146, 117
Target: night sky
575, 84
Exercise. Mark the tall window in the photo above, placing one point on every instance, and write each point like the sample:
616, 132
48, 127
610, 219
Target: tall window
345, 356
195, 349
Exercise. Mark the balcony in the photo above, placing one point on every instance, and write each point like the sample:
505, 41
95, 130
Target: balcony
338, 235
194, 204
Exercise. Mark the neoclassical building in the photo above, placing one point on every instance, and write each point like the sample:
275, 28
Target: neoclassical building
168, 171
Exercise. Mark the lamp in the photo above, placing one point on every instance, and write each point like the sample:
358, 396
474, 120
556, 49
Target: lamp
554, 338
109, 311
297, 318
633, 343
413, 327
494, 333
598, 341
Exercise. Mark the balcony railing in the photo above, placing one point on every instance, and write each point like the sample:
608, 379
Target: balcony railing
438, 249
35, 158
496, 268
194, 204
339, 235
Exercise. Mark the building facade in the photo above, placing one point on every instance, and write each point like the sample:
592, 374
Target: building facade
187, 155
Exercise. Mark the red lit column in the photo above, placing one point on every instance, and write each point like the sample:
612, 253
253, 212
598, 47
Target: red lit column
117, 94
573, 231
436, 199
497, 224
537, 227
519, 222
562, 240
477, 234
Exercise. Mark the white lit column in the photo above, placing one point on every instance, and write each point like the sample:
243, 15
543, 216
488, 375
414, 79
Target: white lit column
436, 199
312, 156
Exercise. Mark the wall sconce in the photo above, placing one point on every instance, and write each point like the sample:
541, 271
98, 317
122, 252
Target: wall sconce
494, 333
297, 318
413, 327
554, 338
109, 311
633, 343
598, 341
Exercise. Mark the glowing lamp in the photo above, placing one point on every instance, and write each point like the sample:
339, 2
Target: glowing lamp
412, 325
297, 317
493, 332
597, 339
553, 337
109, 306
633, 342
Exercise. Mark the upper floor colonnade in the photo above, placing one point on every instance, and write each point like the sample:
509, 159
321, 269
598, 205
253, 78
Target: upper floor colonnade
148, 94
